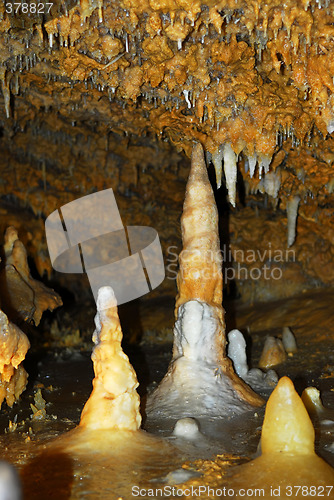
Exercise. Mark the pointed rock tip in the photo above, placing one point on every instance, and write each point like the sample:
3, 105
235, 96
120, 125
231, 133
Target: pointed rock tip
287, 427
198, 164
105, 298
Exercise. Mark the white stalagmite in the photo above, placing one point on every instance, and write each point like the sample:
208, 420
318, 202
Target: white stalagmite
289, 341
292, 212
200, 380
187, 428
230, 169
114, 401
236, 351
217, 160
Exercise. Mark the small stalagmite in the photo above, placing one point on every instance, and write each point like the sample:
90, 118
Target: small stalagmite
273, 353
114, 401
288, 464
289, 341
312, 400
287, 428
14, 345
200, 379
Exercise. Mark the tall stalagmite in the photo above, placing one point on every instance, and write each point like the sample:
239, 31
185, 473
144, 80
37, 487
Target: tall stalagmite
114, 401
200, 378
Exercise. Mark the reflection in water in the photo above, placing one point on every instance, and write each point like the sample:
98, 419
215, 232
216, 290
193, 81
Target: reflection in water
48, 475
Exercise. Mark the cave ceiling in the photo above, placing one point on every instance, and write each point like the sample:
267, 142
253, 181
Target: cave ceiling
114, 94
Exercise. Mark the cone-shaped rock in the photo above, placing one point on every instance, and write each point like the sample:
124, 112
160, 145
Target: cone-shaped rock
114, 401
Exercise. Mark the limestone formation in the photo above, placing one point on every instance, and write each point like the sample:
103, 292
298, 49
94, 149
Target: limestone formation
114, 402
200, 379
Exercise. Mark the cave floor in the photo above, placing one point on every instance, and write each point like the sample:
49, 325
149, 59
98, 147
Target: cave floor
106, 466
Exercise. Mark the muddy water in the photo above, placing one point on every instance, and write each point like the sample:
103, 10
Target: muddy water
56, 461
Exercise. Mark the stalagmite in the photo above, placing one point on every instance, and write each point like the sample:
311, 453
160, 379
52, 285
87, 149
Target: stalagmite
230, 169
114, 401
287, 427
200, 379
288, 464
273, 353
236, 351
14, 345
289, 341
312, 401
292, 211
187, 428
200, 275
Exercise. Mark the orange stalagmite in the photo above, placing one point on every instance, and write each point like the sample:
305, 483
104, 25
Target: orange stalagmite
114, 401
288, 464
23, 299
200, 379
287, 428
14, 345
200, 275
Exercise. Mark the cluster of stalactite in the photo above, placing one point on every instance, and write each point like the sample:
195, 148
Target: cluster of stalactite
89, 88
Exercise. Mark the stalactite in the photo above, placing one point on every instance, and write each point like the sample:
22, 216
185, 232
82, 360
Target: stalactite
272, 183
292, 212
217, 159
252, 160
230, 170
5, 90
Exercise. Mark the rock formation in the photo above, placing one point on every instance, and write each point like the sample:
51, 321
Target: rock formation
104, 82
114, 402
24, 299
14, 345
200, 378
288, 464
